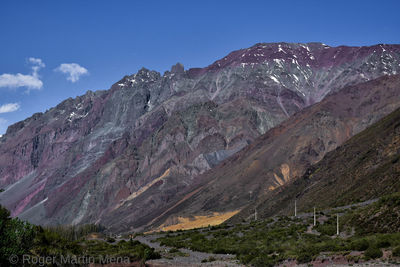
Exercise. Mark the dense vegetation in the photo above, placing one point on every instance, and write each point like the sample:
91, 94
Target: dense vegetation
268, 242
16, 236
63, 242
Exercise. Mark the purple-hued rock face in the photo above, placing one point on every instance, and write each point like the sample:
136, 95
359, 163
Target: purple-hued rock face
316, 55
132, 151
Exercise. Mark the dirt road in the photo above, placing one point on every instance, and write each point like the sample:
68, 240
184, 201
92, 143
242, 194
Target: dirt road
185, 257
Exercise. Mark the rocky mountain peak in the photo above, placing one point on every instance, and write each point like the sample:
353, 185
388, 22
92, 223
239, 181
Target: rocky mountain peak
177, 68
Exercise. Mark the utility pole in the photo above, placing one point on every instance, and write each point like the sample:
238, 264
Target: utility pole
315, 218
337, 224
295, 208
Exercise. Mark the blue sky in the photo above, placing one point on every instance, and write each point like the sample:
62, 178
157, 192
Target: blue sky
109, 39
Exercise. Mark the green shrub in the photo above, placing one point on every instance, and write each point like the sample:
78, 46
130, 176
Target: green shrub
110, 240
373, 253
396, 252
304, 257
306, 253
328, 228
133, 243
359, 245
150, 254
246, 258
383, 242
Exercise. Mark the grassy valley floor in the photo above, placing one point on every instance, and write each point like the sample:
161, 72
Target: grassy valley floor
368, 234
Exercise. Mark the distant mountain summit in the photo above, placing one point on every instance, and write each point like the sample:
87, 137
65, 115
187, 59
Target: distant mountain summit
124, 157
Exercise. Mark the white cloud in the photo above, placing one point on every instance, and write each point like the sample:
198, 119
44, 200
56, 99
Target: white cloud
20, 80
36, 61
37, 64
74, 71
10, 107
30, 81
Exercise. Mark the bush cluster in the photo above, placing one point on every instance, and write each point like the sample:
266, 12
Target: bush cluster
19, 238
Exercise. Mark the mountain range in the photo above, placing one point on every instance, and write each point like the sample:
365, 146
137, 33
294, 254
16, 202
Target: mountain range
366, 167
156, 150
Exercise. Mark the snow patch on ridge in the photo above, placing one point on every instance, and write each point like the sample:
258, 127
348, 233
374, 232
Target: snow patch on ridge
279, 61
274, 79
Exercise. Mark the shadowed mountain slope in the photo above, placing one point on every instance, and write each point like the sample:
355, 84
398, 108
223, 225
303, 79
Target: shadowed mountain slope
365, 167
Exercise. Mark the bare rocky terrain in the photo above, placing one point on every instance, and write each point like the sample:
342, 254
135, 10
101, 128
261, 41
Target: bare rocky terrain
253, 177
128, 156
